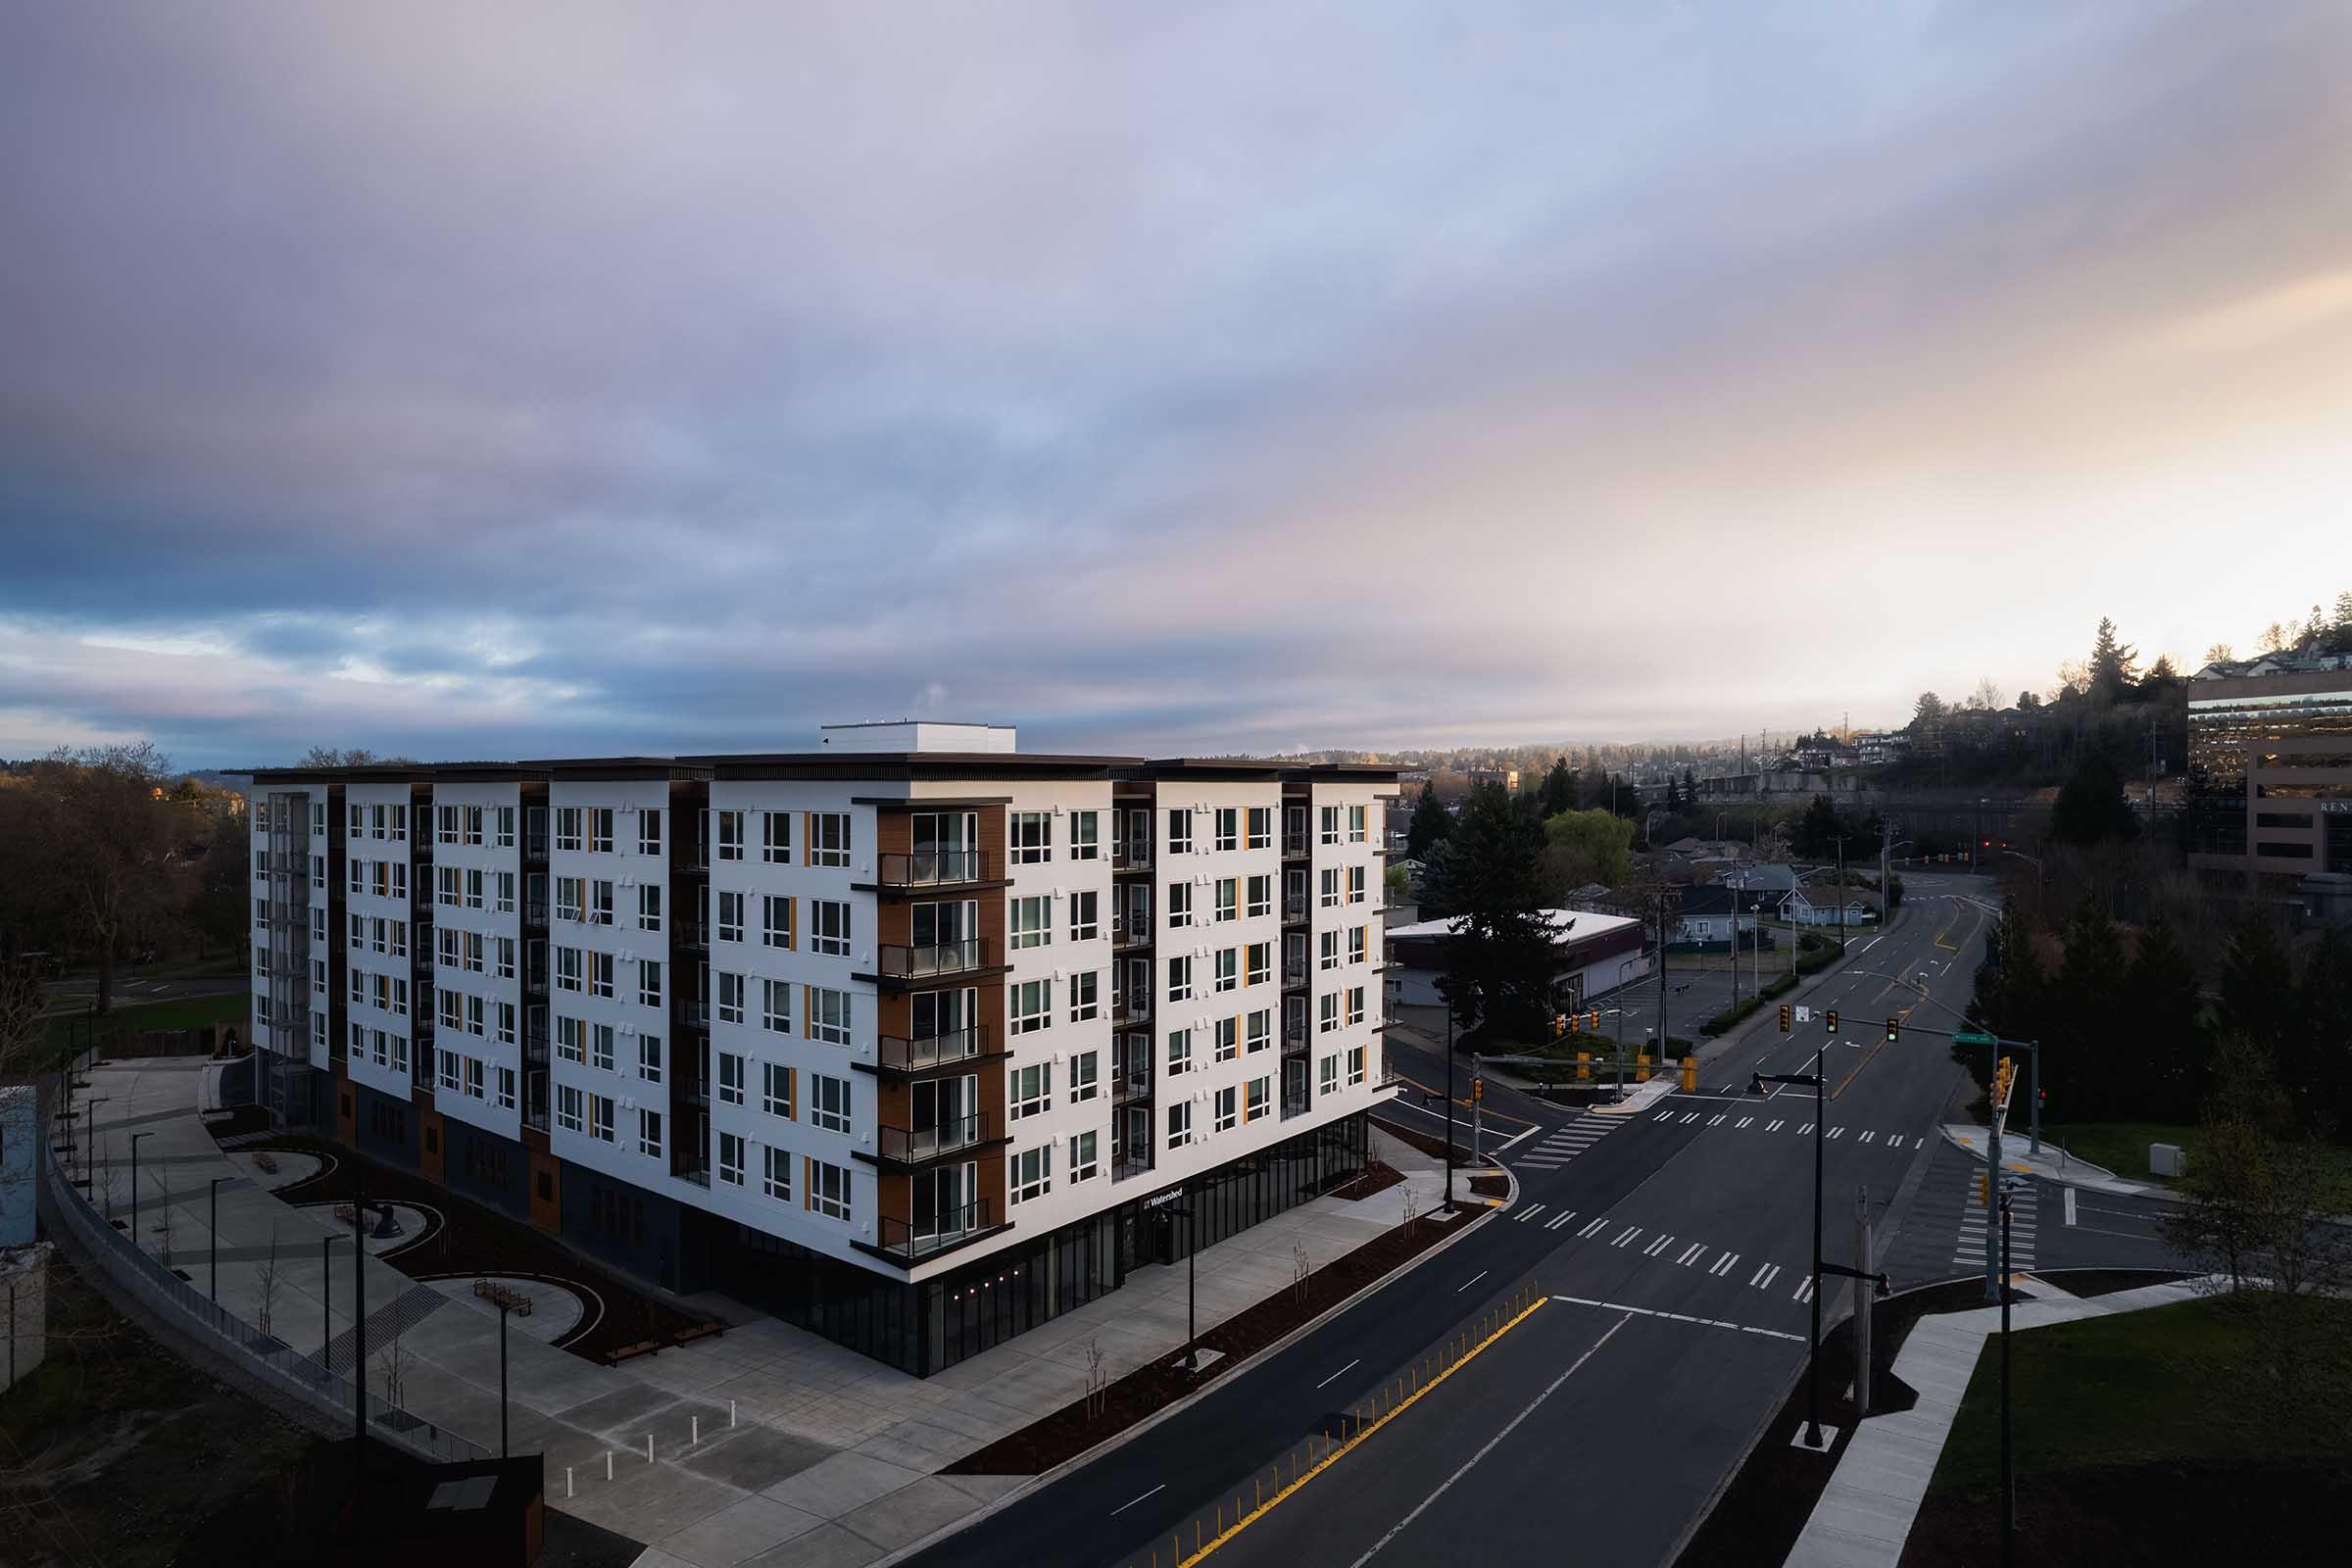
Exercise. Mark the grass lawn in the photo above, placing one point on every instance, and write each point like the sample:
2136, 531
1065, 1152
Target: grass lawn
190, 1013
2120, 1146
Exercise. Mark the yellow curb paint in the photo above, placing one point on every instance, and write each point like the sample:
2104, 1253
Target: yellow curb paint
1302, 1478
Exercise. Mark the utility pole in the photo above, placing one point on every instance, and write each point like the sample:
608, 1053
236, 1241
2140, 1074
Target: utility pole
1450, 1103
1478, 1109
1862, 1260
1664, 894
2008, 1453
1842, 896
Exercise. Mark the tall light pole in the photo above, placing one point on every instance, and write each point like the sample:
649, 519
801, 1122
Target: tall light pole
216, 1229
134, 1185
1450, 1103
2008, 1455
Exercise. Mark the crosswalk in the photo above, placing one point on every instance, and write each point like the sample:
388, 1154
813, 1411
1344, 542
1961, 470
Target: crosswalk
1733, 1121
1968, 1249
1721, 1263
1567, 1141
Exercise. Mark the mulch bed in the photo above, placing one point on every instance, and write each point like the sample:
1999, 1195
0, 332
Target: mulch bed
1760, 1515
474, 1240
1069, 1430
1378, 1177
1490, 1186
2108, 1281
2151, 1513
1434, 1148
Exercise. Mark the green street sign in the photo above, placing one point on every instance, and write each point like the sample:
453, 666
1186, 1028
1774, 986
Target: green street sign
1969, 1036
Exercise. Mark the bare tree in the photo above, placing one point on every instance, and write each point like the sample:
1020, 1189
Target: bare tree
265, 1282
23, 1035
1097, 1379
109, 826
1303, 1268
392, 1367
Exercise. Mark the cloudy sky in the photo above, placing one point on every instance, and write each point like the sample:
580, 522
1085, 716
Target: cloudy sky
675, 378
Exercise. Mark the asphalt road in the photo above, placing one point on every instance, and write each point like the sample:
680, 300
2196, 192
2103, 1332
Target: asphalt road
1674, 1246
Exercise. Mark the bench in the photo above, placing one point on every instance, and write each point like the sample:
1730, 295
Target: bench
506, 1295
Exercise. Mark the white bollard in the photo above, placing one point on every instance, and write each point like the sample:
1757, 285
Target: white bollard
730, 1413
607, 1464
567, 1481
697, 1429
649, 1447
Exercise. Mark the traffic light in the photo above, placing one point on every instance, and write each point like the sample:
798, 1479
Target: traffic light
1894, 1029
1559, 1024
1833, 1021
1575, 1021
1593, 1020
1784, 1018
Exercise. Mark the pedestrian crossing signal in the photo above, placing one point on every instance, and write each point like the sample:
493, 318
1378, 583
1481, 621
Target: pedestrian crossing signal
1833, 1021
1784, 1018
1894, 1028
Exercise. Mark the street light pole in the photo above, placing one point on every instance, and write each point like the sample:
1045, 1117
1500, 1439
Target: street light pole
505, 1305
134, 1185
2008, 1455
216, 1229
1450, 1103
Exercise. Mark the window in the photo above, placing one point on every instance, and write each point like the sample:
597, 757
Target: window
730, 835
775, 1090
1085, 836
449, 1070
1356, 1065
506, 1023
649, 1133
775, 920
1085, 996
829, 845
1357, 815
1261, 827
568, 1109
1356, 1005
473, 1016
829, 1102
1227, 899
1180, 831
1356, 944
649, 1057
1180, 904
600, 904
1327, 1007
775, 839
570, 897
473, 952
1086, 922
775, 1006
730, 1159
649, 983
648, 908
505, 827
648, 830
1327, 1074
1032, 921
445, 882
396, 937
730, 916
505, 887
829, 1187
730, 1078
473, 825
1225, 1107
1355, 884
571, 1039
1180, 1124
506, 1088
447, 941
1261, 896
1180, 979
1228, 969
730, 997
1083, 1164
1327, 886
1084, 1080
1259, 962
1261, 1028
1030, 1174
829, 1016
600, 975
600, 1047
1327, 950
1260, 1096
567, 827
1229, 827
1328, 819
1180, 1051
1228, 1038
776, 1173
599, 829
1030, 1090
829, 927
600, 1118
1031, 1005
1032, 838
445, 823
506, 957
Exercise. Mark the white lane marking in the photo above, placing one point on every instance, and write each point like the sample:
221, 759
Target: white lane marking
1527, 1214
1866, 1138
1704, 1322
1540, 1164
1517, 1138
1472, 1280
1588, 1231
1627, 1235
1132, 1501
1688, 1120
1657, 1246
1723, 1264
1555, 1224
1770, 1274
1448, 1484
1663, 1115
1836, 1132
1698, 1250
1807, 1128
1742, 1122
1895, 1140
1775, 1126
1804, 1290
2069, 1207
1342, 1372
1757, 1278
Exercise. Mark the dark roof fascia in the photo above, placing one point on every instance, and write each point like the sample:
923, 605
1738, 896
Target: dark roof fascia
911, 765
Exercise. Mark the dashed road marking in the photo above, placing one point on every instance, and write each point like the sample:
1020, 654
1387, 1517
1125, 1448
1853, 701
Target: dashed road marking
1555, 1224
1627, 1235
1723, 1264
1765, 1275
1657, 1246
1742, 1123
1804, 1290
1527, 1214
1589, 1231
1698, 1250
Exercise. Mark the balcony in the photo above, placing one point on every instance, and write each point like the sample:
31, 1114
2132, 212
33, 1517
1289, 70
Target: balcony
534, 847
534, 912
1294, 908
1130, 937
914, 1146
1127, 1011
1128, 1167
906, 1241
1133, 1089
935, 959
1131, 856
1294, 1037
692, 1014
933, 868
1294, 1105
1293, 846
691, 936
897, 1054
1294, 975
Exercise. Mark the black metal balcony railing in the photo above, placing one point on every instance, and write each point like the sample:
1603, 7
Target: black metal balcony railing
1130, 1009
1294, 975
1130, 934
1294, 1105
691, 936
930, 1233
534, 911
910, 1144
1294, 1036
1123, 1169
1294, 908
534, 846
534, 1050
1293, 846
898, 1054
693, 1013
930, 868
935, 958
1132, 1090
1131, 856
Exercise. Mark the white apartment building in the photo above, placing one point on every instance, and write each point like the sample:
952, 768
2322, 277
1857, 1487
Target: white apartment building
912, 1038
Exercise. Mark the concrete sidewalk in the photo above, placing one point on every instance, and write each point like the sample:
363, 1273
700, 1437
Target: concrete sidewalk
768, 1444
2052, 1164
1866, 1511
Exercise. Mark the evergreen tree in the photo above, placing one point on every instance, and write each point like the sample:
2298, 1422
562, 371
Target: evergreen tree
1427, 829
2082, 1068
2163, 1042
2257, 982
1559, 788
1499, 957
1929, 710
2111, 668
2090, 806
2325, 1018
1690, 790
2012, 990
1818, 830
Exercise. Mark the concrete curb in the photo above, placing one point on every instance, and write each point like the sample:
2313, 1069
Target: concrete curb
1660, 1085
1118, 1440
2072, 1173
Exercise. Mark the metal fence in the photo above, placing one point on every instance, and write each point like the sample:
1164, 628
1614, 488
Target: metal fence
243, 1346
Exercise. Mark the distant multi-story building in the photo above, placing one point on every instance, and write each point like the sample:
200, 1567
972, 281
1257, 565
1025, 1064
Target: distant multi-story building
914, 1039
1507, 777
2270, 755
